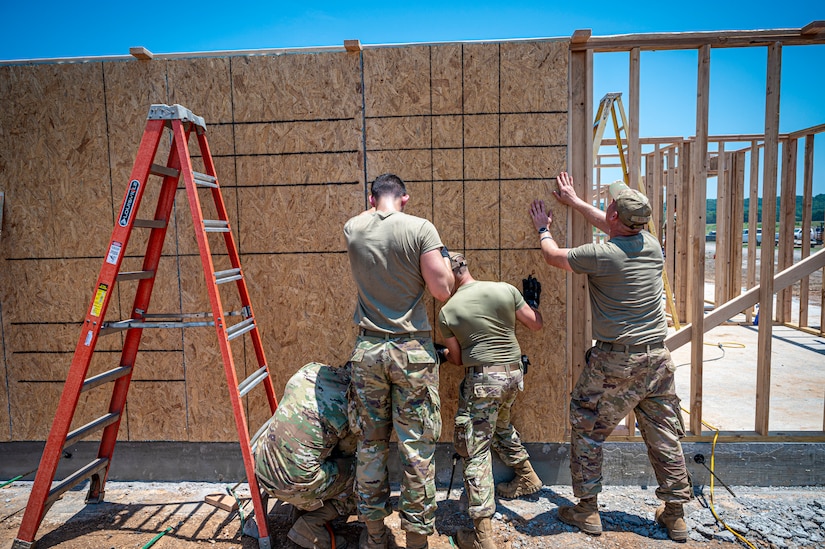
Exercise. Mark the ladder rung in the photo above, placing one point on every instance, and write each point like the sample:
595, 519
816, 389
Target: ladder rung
215, 226
91, 427
149, 223
166, 171
205, 180
135, 275
240, 328
259, 433
249, 383
76, 478
111, 327
227, 276
105, 377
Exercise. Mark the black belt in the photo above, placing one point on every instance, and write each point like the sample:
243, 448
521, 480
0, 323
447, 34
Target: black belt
494, 368
619, 348
388, 335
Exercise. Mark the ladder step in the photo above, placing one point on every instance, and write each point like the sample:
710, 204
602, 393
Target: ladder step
111, 327
249, 383
134, 275
105, 377
149, 223
76, 478
227, 276
258, 434
215, 226
240, 328
205, 180
166, 171
91, 427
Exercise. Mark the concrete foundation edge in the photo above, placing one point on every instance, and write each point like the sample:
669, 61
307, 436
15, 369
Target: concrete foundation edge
625, 463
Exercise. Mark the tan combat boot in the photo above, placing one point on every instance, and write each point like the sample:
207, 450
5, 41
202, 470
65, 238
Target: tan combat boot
525, 482
310, 530
417, 541
584, 516
481, 537
672, 516
374, 536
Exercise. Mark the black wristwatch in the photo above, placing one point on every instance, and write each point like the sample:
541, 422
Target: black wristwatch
543, 230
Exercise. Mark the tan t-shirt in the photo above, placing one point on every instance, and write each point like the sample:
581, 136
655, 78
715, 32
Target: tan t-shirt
384, 251
625, 276
482, 317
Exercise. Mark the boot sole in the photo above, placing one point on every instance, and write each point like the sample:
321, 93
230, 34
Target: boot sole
679, 536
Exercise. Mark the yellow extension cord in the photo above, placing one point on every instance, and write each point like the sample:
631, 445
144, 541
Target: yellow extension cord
712, 459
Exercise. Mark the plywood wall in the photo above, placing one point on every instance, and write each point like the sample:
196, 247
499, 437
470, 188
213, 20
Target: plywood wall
476, 130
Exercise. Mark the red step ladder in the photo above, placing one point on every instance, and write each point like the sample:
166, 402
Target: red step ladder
228, 325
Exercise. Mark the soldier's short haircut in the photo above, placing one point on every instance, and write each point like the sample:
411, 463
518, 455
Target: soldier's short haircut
388, 184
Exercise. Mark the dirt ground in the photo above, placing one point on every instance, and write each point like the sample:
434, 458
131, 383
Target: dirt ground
135, 513
814, 281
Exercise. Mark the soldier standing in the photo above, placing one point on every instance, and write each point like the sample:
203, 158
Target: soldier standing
394, 257
629, 367
307, 457
478, 325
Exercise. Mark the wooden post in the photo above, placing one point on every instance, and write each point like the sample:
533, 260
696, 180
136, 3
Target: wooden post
787, 220
737, 214
697, 238
769, 167
634, 151
683, 222
657, 182
753, 218
580, 232
670, 225
724, 230
807, 213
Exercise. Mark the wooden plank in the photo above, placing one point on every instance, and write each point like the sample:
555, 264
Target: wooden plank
670, 225
737, 175
657, 185
141, 53
682, 231
753, 218
580, 165
697, 236
580, 36
769, 170
222, 501
787, 220
352, 45
807, 213
634, 157
694, 40
724, 230
814, 27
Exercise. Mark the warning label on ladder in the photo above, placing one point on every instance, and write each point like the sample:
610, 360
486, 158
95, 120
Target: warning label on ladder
100, 295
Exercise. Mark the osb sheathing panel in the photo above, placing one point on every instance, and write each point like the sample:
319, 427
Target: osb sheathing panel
53, 155
296, 87
476, 131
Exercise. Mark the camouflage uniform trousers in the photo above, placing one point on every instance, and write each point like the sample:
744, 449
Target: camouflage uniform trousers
335, 482
395, 384
611, 385
482, 422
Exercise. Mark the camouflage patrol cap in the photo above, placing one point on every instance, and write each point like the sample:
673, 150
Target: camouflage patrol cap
457, 261
632, 206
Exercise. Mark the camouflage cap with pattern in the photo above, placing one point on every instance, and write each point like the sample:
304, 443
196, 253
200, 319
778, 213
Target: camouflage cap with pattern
632, 206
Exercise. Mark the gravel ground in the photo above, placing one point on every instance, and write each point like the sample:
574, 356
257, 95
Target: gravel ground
134, 513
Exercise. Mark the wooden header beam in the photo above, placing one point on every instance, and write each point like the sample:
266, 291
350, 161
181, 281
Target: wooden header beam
809, 34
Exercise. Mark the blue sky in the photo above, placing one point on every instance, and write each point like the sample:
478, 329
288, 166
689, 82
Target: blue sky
63, 29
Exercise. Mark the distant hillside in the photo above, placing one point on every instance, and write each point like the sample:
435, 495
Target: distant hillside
818, 209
